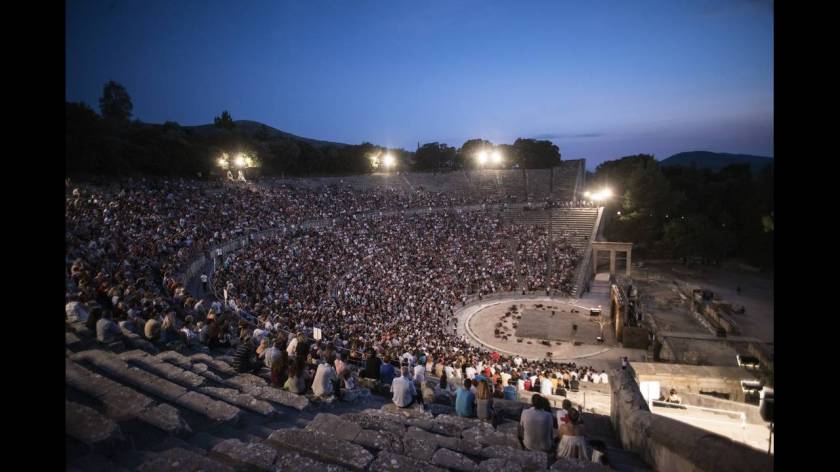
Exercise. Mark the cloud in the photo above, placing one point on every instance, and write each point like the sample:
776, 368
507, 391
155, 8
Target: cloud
551, 136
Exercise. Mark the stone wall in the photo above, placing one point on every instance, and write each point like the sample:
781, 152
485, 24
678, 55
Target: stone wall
670, 445
635, 337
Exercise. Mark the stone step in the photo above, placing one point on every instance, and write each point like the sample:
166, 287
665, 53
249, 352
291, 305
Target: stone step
139, 342
90, 427
453, 461
242, 400
391, 462
293, 460
218, 366
322, 447
123, 403
116, 368
182, 460
170, 372
95, 462
255, 456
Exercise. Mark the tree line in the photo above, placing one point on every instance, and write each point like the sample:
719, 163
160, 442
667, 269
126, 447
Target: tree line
689, 213
111, 143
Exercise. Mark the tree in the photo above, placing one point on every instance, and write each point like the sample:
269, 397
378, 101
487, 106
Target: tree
115, 103
434, 156
467, 152
534, 154
224, 121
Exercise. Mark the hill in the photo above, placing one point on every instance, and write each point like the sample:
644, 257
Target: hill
251, 127
716, 161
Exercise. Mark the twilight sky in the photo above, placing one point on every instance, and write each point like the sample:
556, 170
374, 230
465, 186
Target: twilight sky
601, 79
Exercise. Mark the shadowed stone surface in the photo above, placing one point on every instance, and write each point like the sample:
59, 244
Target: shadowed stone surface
334, 426
256, 456
462, 423
293, 461
246, 381
529, 460
489, 437
377, 422
453, 460
323, 447
564, 464
382, 440
508, 428
181, 460
219, 366
501, 465
88, 425
239, 399
215, 410
419, 449
166, 370
390, 462
414, 411
446, 429
165, 417
282, 397
437, 409
95, 463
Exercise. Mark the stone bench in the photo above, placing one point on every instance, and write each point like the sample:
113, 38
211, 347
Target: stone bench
322, 447
90, 427
123, 403
249, 456
116, 368
163, 369
182, 460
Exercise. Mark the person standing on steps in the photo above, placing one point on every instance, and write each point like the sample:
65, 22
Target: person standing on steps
204, 282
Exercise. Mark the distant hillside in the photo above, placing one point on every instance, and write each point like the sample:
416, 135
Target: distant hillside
716, 160
251, 127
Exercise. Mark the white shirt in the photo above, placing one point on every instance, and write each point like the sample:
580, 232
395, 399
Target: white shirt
545, 386
322, 383
517, 361
604, 378
76, 312
419, 373
596, 378
204, 278
450, 372
403, 390
292, 347
470, 372
520, 384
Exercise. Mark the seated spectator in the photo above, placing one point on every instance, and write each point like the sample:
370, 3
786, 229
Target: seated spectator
465, 400
673, 397
372, 365
427, 390
245, 359
444, 388
536, 426
274, 351
75, 310
545, 385
484, 402
279, 365
572, 441
403, 389
325, 376
349, 390
152, 329
296, 383
106, 330
387, 371
510, 391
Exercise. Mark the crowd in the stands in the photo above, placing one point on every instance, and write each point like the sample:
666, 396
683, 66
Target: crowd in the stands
377, 290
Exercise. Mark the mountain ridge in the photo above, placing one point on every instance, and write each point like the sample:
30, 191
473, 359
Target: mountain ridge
715, 161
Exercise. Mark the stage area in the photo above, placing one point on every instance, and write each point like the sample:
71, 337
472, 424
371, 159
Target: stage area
558, 324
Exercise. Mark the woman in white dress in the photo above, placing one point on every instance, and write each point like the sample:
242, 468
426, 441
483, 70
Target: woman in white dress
573, 443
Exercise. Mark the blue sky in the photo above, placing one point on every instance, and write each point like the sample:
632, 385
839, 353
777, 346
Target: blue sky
600, 79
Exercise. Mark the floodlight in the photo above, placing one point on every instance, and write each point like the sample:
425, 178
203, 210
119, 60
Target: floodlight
388, 160
222, 162
587, 194
240, 161
497, 157
607, 192
482, 157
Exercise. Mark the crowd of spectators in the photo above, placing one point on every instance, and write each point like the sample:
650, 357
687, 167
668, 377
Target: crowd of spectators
384, 283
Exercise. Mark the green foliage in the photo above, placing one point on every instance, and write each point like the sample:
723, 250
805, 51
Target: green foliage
434, 156
534, 154
115, 103
689, 212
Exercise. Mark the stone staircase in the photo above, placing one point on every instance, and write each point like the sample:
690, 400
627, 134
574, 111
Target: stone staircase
145, 410
579, 222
